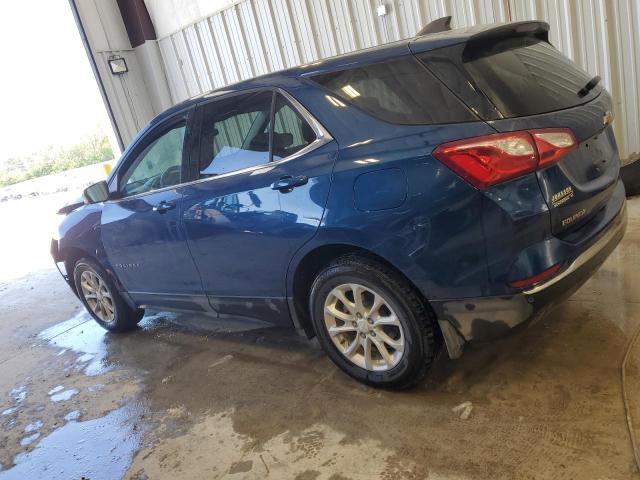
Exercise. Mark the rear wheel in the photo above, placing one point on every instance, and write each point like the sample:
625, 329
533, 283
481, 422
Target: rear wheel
102, 299
372, 323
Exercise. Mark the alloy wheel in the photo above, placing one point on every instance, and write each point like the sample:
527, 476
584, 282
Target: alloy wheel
364, 327
97, 295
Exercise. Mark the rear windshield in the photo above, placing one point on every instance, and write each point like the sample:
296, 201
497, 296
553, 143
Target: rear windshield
519, 76
398, 91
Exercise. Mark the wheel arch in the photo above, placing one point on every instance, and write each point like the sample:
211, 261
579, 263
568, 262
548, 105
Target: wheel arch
70, 256
310, 265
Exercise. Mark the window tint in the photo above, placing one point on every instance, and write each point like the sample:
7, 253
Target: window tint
520, 76
235, 133
398, 91
159, 165
291, 133
446, 64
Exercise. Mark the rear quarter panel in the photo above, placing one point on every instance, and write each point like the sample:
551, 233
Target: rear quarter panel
432, 231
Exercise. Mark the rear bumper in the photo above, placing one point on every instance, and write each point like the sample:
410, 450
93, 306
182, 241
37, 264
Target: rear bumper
486, 318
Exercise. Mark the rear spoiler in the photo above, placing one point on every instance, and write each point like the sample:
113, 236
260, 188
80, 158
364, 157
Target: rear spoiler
516, 29
478, 34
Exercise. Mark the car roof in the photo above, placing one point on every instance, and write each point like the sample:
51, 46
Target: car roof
422, 43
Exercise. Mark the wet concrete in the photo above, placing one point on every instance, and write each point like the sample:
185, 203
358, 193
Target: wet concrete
183, 397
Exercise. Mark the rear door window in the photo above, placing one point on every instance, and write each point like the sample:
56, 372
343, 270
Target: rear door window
520, 76
291, 132
397, 91
235, 133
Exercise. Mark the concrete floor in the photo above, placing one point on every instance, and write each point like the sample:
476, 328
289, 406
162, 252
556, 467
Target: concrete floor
185, 398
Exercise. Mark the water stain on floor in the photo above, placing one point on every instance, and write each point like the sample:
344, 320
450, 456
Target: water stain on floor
82, 335
101, 448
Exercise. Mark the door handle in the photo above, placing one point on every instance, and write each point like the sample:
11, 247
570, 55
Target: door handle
164, 207
287, 183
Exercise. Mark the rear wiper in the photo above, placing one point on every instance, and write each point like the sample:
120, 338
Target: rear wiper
589, 86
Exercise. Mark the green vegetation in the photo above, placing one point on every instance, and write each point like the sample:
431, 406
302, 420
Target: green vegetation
93, 149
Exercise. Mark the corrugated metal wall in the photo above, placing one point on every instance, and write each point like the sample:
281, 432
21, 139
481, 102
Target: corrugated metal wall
260, 36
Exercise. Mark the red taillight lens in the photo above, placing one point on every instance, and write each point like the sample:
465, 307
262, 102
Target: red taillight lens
491, 159
552, 143
540, 277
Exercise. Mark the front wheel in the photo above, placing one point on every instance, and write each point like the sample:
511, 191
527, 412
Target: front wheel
372, 323
101, 298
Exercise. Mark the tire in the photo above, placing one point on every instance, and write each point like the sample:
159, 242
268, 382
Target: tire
107, 307
405, 325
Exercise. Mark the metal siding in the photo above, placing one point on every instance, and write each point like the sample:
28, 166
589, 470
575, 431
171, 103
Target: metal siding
253, 37
268, 24
170, 67
133, 107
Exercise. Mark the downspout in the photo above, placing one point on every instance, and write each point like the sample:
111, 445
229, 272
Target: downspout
94, 67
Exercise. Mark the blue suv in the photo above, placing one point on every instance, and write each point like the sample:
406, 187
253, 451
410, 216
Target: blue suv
435, 191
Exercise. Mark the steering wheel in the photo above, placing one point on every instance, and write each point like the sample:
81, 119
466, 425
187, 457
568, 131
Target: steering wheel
171, 176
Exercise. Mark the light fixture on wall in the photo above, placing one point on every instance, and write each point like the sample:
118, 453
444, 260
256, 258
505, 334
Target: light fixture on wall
117, 65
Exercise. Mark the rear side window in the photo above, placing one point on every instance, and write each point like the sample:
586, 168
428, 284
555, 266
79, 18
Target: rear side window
237, 132
291, 133
520, 76
398, 91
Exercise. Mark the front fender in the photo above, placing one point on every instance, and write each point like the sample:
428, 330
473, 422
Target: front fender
79, 235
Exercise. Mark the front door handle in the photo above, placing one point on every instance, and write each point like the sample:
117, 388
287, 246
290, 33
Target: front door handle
164, 207
288, 183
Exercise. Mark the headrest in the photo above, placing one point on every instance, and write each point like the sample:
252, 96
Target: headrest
282, 140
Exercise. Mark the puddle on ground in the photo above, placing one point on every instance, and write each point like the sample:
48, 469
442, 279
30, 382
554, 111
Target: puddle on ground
18, 394
101, 448
57, 389
83, 335
64, 395
29, 440
33, 426
73, 415
98, 448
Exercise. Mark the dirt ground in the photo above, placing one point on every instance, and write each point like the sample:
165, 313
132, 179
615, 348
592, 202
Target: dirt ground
184, 397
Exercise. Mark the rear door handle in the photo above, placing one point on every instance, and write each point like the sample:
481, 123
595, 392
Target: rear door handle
287, 183
164, 207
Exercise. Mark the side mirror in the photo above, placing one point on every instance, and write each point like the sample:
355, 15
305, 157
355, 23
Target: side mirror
96, 193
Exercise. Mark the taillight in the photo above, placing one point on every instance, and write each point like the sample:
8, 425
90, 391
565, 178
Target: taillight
491, 159
552, 143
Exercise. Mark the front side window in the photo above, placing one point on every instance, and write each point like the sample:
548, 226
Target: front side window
159, 165
235, 133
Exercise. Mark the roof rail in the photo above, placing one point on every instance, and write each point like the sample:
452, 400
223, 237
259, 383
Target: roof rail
440, 25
